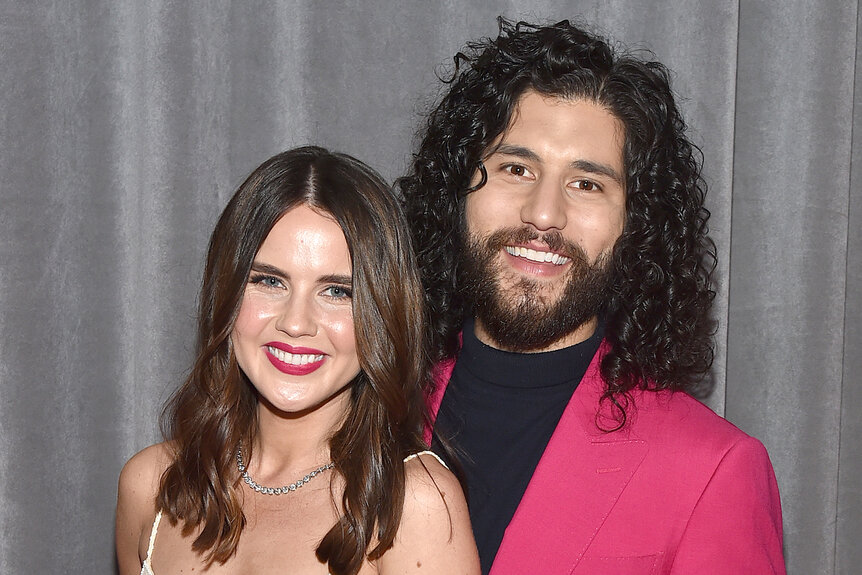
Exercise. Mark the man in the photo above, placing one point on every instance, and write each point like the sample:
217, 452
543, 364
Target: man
557, 211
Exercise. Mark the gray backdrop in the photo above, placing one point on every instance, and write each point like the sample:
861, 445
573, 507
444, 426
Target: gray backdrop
125, 126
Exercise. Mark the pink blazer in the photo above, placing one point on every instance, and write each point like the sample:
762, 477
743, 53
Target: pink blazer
678, 491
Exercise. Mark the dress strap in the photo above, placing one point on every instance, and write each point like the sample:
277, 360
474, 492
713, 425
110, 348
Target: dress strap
153, 537
426, 452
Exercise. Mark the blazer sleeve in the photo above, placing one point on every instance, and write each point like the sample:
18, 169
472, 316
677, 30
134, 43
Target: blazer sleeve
736, 525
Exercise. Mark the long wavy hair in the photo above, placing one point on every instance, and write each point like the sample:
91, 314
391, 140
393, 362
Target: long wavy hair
657, 314
215, 410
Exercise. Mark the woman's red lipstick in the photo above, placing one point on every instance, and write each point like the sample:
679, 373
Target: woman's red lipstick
293, 360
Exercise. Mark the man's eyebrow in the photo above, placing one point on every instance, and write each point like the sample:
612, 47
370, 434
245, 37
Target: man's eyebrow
583, 165
517, 151
601, 169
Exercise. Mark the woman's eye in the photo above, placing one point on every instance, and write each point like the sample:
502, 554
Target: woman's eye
338, 292
266, 281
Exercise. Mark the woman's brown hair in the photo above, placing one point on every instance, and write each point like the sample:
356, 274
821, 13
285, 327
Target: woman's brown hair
214, 411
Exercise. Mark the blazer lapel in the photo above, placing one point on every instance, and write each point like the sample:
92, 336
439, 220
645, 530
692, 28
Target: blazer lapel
440, 376
578, 480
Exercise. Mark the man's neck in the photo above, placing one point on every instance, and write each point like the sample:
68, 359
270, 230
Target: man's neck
579, 334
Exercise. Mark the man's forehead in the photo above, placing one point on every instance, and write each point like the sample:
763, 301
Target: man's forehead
564, 102
537, 119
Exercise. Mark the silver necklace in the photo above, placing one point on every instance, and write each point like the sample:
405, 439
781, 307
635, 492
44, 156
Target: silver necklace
276, 490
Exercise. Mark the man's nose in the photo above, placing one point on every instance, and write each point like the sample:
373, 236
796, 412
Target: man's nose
545, 207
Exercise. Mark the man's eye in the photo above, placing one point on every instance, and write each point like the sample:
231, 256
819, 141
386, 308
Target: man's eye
516, 170
587, 185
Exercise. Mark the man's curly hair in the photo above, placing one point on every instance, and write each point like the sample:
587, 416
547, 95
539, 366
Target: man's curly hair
657, 316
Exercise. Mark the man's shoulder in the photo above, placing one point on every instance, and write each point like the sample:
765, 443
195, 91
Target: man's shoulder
679, 422
655, 415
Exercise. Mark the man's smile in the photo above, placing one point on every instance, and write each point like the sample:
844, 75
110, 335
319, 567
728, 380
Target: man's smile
537, 255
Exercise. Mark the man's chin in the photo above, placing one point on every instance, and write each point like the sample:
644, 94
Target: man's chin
524, 312
517, 291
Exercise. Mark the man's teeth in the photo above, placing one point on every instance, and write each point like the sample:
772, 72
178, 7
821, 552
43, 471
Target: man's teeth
537, 256
294, 358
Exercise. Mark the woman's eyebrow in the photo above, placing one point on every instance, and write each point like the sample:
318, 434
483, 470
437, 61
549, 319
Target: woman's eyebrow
265, 268
336, 279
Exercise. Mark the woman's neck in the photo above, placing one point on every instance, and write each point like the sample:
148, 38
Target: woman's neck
288, 445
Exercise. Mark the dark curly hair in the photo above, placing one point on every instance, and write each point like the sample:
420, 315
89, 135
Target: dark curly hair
657, 315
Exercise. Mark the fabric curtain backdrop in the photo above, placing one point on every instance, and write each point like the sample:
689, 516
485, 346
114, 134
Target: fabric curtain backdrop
127, 125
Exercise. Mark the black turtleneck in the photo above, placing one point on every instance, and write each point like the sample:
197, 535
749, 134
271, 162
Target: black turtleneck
498, 413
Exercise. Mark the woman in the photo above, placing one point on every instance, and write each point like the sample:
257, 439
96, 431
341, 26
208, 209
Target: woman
292, 446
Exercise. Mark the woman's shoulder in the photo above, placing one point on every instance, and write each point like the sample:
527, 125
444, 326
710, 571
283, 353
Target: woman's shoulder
435, 525
428, 481
136, 503
139, 481
145, 468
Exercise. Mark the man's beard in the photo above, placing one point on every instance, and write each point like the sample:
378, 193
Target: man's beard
525, 316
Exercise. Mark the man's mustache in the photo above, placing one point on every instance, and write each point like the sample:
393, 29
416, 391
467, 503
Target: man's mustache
522, 235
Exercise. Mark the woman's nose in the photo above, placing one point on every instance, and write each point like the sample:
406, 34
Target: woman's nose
296, 317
